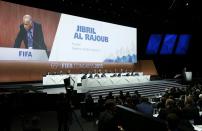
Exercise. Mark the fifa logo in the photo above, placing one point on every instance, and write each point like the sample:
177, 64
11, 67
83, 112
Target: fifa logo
27, 54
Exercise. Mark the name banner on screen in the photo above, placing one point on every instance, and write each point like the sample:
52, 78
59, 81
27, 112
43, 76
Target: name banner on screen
84, 40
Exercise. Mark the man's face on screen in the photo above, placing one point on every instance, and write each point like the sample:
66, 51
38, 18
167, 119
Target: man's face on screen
27, 24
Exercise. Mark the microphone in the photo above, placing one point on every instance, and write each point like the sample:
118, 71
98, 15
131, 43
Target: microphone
72, 80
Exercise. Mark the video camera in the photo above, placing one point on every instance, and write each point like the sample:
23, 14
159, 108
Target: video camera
71, 94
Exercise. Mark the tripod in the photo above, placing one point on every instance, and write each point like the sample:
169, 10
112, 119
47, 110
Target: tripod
66, 112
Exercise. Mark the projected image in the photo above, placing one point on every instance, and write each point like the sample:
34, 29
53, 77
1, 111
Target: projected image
153, 44
28, 33
168, 44
41, 35
85, 40
183, 44
31, 34
123, 55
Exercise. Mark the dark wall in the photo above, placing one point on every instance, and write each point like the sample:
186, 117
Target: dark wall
173, 64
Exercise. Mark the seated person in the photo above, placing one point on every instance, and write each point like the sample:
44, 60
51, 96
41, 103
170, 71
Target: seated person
114, 75
110, 96
61, 73
136, 74
190, 110
89, 105
84, 76
119, 75
103, 75
128, 74
91, 75
96, 75
145, 106
122, 96
107, 119
68, 72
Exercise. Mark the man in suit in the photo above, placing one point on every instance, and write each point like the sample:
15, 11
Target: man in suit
103, 75
31, 34
145, 106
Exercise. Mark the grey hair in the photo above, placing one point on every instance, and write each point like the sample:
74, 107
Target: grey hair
27, 18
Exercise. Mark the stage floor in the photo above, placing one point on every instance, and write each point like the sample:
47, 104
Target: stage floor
56, 89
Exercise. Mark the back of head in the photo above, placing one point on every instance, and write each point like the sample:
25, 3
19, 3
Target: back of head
110, 105
144, 99
189, 100
170, 103
136, 92
173, 121
110, 93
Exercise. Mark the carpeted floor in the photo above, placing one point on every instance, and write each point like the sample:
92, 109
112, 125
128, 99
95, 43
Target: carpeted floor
48, 121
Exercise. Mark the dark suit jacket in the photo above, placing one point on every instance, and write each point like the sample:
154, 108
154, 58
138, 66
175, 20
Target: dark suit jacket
38, 39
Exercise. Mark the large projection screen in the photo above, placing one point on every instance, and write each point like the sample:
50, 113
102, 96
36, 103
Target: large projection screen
60, 41
63, 38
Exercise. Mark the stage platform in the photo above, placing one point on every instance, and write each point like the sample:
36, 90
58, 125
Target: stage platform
147, 89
